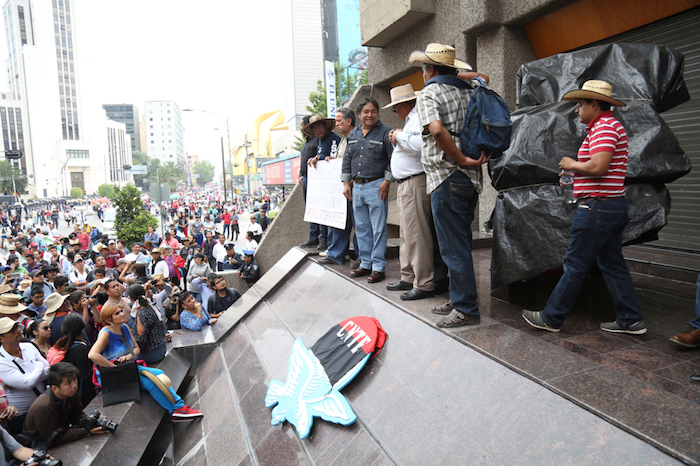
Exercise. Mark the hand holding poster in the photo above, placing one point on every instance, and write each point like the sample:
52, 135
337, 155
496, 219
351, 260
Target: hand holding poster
325, 203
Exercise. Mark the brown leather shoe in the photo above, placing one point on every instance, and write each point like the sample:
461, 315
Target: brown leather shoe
360, 272
376, 277
691, 338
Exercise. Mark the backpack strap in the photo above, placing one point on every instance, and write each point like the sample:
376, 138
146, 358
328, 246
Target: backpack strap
450, 81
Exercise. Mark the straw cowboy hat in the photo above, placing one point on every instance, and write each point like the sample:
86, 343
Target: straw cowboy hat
53, 303
9, 304
401, 94
161, 381
594, 90
438, 54
5, 288
98, 248
6, 324
329, 122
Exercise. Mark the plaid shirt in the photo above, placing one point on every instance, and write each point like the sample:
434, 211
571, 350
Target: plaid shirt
449, 105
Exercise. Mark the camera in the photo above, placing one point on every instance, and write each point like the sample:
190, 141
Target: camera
40, 458
94, 419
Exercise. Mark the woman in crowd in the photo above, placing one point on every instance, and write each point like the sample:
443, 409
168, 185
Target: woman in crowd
149, 328
193, 316
39, 333
199, 269
115, 342
78, 274
171, 260
86, 307
76, 351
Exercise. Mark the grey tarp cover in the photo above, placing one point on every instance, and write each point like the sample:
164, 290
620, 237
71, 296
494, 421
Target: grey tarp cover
532, 227
531, 219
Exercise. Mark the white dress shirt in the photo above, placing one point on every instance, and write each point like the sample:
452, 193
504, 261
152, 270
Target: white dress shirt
19, 386
405, 160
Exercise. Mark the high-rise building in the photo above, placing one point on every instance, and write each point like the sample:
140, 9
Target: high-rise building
129, 115
303, 57
58, 152
165, 134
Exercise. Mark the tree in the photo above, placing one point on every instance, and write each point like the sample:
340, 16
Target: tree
106, 190
206, 169
132, 217
76, 193
170, 172
8, 171
347, 85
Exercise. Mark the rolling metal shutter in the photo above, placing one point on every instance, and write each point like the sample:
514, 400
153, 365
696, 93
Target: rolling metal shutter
679, 32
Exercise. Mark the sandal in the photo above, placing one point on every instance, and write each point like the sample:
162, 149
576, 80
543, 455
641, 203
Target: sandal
443, 310
457, 319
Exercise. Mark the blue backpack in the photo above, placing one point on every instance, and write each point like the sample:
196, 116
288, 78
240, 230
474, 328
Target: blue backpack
487, 124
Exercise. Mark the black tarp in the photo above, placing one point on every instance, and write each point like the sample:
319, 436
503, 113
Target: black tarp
638, 73
532, 227
532, 218
544, 134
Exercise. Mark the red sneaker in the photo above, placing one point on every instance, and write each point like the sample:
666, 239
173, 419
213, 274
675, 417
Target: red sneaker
185, 414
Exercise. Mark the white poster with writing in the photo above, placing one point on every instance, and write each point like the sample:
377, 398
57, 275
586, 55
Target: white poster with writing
325, 202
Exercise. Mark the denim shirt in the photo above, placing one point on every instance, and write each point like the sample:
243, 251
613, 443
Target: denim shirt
368, 156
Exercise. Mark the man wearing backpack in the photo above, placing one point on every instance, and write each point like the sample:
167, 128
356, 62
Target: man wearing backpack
454, 181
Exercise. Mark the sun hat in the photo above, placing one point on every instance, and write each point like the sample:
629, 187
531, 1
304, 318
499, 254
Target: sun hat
155, 250
328, 122
24, 284
6, 325
53, 303
9, 304
438, 54
161, 381
594, 90
5, 288
98, 248
401, 94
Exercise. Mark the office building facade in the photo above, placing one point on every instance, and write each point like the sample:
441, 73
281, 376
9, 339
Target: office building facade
165, 134
129, 115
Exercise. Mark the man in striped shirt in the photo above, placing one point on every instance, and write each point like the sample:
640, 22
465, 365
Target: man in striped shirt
596, 232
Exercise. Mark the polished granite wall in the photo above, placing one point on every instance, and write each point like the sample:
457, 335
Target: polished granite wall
428, 398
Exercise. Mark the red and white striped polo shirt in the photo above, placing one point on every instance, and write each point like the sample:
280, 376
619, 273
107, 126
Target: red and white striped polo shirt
605, 134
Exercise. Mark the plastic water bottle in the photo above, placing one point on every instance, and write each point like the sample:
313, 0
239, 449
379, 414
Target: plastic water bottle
567, 181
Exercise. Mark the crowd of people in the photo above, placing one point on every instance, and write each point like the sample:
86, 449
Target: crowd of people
71, 304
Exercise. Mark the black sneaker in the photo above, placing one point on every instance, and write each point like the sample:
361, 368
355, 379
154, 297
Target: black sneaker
309, 243
637, 328
534, 318
322, 246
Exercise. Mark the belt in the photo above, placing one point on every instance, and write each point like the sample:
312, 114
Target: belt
586, 200
409, 177
366, 180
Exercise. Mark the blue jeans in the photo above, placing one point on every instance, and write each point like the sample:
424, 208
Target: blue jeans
695, 323
453, 204
153, 356
339, 240
370, 224
596, 236
316, 232
157, 395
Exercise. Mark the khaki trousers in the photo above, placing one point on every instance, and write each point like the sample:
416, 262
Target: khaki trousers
416, 247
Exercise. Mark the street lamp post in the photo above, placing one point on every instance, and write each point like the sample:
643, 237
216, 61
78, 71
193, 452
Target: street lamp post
228, 138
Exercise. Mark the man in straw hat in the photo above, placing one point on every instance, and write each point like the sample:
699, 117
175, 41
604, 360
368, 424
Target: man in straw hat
416, 251
596, 232
322, 129
366, 174
317, 233
23, 370
453, 180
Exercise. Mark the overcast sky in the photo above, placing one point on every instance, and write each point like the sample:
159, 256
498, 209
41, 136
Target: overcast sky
216, 55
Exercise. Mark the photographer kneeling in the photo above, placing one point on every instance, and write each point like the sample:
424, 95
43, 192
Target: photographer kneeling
57, 414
